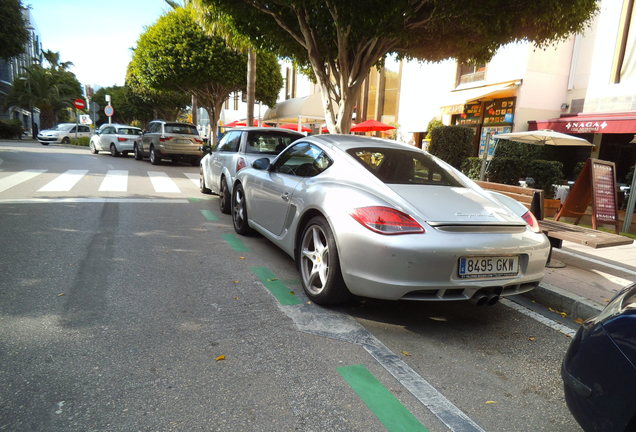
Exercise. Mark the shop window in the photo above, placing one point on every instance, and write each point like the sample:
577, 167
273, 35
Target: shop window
470, 72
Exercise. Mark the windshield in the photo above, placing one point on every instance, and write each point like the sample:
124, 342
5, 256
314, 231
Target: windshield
269, 142
394, 166
129, 131
63, 126
180, 128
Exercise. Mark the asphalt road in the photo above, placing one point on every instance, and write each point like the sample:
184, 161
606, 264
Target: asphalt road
140, 309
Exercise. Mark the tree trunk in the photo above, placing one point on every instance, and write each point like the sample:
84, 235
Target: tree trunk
195, 109
251, 85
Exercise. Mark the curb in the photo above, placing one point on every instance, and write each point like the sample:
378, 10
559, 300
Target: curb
557, 298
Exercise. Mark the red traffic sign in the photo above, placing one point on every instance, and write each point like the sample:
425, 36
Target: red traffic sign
79, 103
109, 110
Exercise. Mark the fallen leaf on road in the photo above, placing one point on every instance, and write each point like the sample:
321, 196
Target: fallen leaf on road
490, 402
532, 338
406, 353
219, 358
241, 257
563, 314
237, 298
236, 281
292, 293
272, 279
579, 320
60, 294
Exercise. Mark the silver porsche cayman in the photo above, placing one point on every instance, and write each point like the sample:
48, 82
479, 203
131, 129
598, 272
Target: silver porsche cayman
381, 219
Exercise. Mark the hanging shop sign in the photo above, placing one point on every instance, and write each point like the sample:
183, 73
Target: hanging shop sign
500, 110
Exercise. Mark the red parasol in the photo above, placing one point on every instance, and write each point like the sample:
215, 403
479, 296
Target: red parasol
371, 126
238, 123
293, 126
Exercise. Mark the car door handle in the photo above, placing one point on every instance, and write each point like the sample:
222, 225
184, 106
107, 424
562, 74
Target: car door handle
285, 196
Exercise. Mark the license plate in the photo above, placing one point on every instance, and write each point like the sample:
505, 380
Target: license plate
183, 141
488, 267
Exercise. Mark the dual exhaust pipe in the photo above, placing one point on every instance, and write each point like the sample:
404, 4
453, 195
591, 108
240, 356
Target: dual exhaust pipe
485, 299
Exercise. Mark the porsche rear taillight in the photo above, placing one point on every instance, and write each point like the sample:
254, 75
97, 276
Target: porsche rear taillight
164, 139
531, 221
240, 164
386, 220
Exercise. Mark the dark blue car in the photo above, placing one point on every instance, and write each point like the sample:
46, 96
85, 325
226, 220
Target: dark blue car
599, 369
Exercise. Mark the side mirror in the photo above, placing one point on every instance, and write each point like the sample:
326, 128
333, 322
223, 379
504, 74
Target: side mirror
206, 149
261, 164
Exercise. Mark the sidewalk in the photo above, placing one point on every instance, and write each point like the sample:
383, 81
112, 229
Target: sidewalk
588, 281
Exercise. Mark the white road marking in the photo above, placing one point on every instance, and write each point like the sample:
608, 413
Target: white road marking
194, 178
538, 317
162, 183
95, 200
17, 178
64, 182
115, 181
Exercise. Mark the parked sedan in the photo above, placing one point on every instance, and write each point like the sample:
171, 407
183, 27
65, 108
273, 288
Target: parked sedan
237, 149
599, 369
118, 139
381, 219
63, 133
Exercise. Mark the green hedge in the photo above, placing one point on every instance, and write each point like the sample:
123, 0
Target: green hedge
11, 129
453, 144
509, 170
81, 141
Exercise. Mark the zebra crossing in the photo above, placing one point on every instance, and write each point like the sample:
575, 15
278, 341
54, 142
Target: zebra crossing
39, 181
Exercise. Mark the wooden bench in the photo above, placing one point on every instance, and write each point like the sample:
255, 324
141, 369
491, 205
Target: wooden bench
556, 231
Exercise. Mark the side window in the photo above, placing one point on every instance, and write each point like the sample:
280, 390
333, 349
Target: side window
230, 142
84, 129
302, 160
72, 130
153, 128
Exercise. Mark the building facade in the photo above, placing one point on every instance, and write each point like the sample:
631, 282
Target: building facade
10, 69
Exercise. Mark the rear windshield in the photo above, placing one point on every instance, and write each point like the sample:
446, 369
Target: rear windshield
179, 128
394, 166
129, 131
269, 142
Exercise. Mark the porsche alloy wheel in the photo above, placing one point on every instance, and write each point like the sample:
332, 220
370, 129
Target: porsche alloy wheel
319, 264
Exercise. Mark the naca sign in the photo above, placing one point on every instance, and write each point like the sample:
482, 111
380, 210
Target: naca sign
586, 126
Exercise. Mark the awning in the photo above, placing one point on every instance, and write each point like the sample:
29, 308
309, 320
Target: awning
458, 98
306, 109
615, 123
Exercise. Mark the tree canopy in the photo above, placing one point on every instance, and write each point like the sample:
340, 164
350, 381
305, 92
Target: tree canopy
342, 39
177, 54
13, 33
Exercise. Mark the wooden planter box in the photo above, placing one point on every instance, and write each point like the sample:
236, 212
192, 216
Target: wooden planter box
551, 207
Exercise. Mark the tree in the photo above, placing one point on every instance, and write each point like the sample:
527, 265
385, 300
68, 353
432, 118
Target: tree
13, 32
341, 40
51, 91
176, 53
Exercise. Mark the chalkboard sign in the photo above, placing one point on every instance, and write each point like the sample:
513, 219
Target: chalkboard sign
596, 184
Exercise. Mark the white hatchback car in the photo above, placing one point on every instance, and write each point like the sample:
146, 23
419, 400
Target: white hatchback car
63, 133
118, 139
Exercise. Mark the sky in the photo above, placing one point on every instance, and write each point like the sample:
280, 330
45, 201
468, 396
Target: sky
96, 35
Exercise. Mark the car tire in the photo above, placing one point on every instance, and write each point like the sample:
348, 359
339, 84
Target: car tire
66, 140
92, 148
225, 200
239, 211
154, 157
319, 264
202, 187
138, 155
113, 150
44, 143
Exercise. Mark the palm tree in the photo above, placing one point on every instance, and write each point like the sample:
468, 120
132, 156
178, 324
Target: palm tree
54, 60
